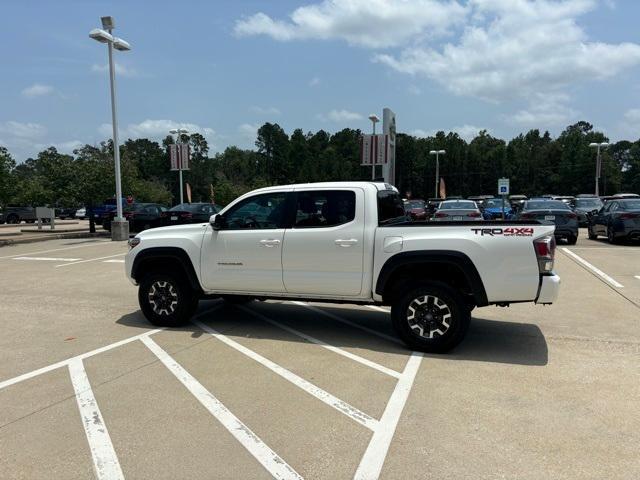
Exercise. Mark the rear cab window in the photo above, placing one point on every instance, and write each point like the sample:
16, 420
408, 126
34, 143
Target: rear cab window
324, 208
390, 207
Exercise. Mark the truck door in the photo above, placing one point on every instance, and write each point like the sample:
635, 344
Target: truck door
246, 255
323, 251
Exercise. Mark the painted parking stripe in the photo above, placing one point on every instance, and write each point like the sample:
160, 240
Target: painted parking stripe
339, 351
376, 452
113, 261
91, 260
48, 259
97, 242
105, 460
275, 465
637, 276
322, 395
348, 322
595, 270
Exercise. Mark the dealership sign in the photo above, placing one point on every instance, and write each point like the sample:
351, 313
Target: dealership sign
375, 149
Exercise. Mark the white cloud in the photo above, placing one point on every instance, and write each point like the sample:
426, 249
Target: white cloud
248, 131
314, 82
368, 23
23, 130
340, 116
545, 110
37, 90
629, 128
62, 147
121, 69
517, 48
265, 111
154, 129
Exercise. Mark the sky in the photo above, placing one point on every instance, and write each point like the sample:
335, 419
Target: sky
224, 67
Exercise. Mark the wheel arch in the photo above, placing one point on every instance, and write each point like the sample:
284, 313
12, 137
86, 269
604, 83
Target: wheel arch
452, 267
163, 259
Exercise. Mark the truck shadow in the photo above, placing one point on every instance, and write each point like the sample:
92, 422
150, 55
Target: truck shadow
487, 340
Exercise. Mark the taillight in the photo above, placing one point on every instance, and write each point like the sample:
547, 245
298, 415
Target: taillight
572, 215
441, 215
545, 248
186, 215
625, 216
527, 215
474, 214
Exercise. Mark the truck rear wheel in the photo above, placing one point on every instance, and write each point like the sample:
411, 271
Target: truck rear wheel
431, 318
166, 300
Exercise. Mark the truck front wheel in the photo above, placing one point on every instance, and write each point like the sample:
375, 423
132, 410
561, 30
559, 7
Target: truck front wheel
431, 318
166, 300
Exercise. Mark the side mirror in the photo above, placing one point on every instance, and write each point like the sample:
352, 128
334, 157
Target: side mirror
217, 221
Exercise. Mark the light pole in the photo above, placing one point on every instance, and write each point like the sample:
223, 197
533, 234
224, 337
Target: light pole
598, 163
374, 119
437, 153
178, 132
119, 226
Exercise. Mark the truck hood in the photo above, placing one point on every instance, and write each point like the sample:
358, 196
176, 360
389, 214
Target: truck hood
170, 231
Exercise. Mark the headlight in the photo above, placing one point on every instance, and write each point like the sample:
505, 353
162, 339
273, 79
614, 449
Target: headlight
134, 242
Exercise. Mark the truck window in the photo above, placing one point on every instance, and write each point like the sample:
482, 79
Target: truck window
390, 207
324, 208
257, 212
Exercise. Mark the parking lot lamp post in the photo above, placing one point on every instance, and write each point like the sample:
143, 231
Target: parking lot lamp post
437, 153
374, 119
598, 146
178, 132
119, 226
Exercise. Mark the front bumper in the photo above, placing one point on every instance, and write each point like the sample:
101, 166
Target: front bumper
549, 289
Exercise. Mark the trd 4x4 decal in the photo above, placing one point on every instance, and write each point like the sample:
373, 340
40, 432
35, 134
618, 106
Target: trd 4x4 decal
505, 232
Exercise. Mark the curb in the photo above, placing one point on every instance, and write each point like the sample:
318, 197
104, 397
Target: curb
9, 241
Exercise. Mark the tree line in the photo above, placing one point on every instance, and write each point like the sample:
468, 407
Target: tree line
535, 162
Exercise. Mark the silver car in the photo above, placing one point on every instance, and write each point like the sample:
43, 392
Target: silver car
457, 211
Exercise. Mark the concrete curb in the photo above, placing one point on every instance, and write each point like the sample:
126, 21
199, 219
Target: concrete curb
41, 238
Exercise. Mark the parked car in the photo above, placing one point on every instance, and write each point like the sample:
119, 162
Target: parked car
493, 209
81, 213
555, 211
191, 213
17, 214
457, 211
432, 205
583, 206
141, 216
568, 199
617, 219
360, 250
109, 205
416, 209
65, 212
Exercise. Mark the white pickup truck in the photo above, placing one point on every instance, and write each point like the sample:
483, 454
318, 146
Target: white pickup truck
344, 242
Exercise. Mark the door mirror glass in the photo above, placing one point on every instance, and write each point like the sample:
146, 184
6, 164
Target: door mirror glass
217, 221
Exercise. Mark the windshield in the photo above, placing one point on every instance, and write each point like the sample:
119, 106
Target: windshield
494, 203
588, 203
458, 205
415, 204
546, 205
630, 204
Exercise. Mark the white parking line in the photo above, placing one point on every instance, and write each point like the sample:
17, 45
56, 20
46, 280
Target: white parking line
310, 388
376, 453
105, 460
637, 276
348, 322
113, 261
97, 242
53, 366
91, 260
275, 465
595, 270
47, 259
339, 351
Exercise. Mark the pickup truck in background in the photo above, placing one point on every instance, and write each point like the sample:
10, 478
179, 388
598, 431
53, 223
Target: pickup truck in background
344, 242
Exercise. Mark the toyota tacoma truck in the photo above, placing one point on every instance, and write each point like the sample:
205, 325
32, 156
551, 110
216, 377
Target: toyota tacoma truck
344, 242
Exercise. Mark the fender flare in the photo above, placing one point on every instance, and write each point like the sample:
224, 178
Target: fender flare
173, 253
450, 257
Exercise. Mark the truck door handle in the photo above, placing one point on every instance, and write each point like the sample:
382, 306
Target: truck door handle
270, 242
346, 242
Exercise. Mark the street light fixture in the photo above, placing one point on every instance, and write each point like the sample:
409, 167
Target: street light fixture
374, 119
598, 163
119, 226
437, 153
178, 132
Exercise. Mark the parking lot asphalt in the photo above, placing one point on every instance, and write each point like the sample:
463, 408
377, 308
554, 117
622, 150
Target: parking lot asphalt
289, 389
